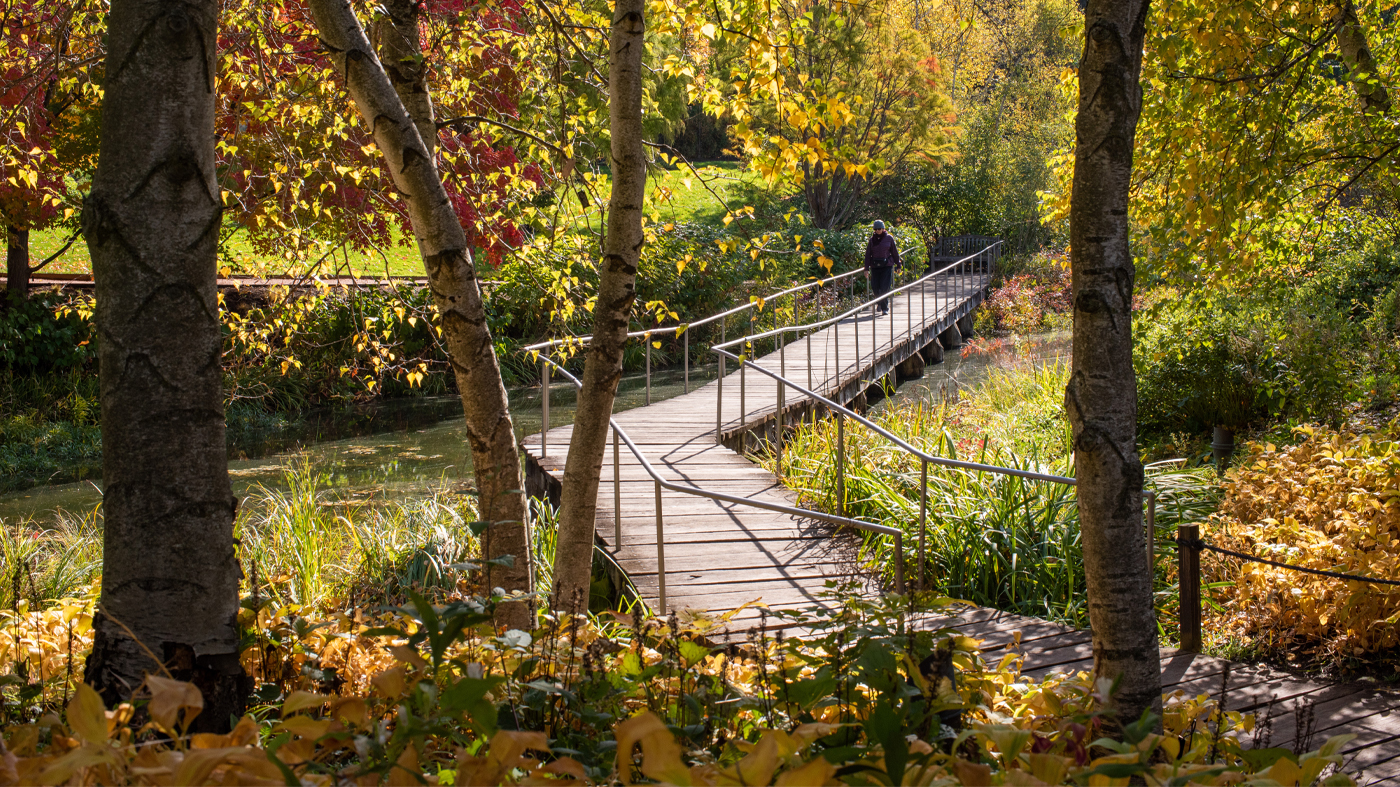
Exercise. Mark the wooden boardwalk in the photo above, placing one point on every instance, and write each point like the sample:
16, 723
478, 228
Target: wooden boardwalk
720, 556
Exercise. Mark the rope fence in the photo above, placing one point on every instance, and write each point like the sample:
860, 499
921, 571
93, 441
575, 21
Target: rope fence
1189, 548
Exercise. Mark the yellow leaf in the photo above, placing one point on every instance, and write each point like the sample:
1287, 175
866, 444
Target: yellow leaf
169, 697
661, 756
87, 717
390, 683
815, 773
301, 700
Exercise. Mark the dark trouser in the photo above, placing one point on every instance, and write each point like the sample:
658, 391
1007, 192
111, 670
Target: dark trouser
881, 279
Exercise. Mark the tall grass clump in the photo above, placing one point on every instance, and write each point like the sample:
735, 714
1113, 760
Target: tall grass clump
45, 564
995, 540
314, 546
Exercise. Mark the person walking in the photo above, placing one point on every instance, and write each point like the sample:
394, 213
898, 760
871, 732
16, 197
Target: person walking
881, 257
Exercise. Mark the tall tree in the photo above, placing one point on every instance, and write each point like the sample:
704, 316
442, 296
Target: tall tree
1101, 398
452, 278
830, 96
617, 291
170, 574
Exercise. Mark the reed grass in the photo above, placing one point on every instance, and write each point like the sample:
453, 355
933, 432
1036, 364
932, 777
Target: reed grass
994, 540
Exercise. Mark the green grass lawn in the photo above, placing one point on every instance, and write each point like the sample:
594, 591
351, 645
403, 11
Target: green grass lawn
688, 201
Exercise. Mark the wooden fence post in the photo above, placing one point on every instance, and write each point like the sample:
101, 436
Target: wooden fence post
1189, 587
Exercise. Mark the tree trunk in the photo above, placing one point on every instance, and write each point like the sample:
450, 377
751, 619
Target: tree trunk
1351, 39
453, 282
1101, 398
616, 293
17, 264
170, 574
401, 53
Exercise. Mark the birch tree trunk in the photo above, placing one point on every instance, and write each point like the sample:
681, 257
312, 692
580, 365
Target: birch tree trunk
401, 53
1351, 39
617, 290
170, 575
1101, 398
453, 281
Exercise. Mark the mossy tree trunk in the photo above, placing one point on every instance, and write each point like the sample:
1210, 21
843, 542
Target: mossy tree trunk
452, 279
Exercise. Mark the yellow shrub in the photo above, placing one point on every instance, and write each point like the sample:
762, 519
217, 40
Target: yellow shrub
1330, 503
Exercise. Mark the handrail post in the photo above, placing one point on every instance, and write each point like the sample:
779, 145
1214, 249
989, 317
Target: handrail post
1189, 586
719, 392
836, 349
857, 329
782, 374
840, 464
660, 552
647, 338
617, 493
899, 563
808, 341
923, 518
686, 338
544, 398
743, 363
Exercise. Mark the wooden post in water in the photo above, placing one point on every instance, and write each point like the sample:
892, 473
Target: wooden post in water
1189, 587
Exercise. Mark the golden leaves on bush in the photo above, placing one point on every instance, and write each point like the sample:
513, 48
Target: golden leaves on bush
1330, 503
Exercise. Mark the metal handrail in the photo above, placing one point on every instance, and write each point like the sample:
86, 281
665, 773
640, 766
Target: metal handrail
779, 333
682, 330
842, 412
856, 309
662, 483
685, 326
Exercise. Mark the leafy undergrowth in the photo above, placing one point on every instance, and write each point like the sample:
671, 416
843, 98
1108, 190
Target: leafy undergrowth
1330, 503
435, 695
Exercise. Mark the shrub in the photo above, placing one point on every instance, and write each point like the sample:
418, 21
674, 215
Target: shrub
435, 695
1201, 365
51, 332
1033, 295
1332, 503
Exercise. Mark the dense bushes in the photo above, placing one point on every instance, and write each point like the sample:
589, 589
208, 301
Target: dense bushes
47, 333
436, 695
1032, 295
1236, 364
1330, 503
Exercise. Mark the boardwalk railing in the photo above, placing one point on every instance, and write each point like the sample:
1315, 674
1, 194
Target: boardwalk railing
619, 434
978, 262
962, 279
684, 330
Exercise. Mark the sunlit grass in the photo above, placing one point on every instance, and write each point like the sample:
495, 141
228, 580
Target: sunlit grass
670, 200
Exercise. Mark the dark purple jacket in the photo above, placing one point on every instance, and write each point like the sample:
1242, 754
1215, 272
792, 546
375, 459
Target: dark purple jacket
881, 252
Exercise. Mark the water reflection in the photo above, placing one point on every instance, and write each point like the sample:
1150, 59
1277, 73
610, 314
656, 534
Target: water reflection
394, 449
405, 447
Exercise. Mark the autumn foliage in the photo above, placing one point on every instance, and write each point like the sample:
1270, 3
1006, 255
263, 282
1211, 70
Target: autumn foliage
434, 695
1330, 503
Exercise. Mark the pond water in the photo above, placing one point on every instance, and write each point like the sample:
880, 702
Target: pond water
394, 449
406, 447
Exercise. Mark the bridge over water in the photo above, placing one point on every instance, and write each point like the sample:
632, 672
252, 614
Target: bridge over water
695, 524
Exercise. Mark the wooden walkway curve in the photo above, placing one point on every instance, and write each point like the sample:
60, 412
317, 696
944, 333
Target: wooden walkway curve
719, 556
